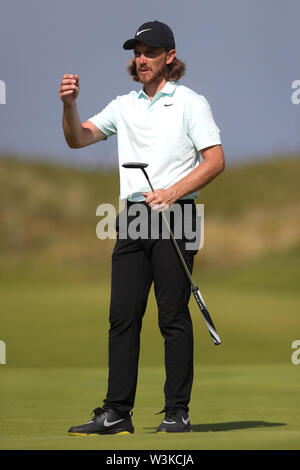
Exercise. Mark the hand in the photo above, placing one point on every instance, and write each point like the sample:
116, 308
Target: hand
161, 199
69, 89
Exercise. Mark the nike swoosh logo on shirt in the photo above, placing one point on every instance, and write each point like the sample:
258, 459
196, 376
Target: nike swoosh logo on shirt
106, 423
171, 104
142, 31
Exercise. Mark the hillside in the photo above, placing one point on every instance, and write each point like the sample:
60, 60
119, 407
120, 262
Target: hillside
48, 216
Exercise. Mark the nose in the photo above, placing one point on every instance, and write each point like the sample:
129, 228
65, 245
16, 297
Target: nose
142, 59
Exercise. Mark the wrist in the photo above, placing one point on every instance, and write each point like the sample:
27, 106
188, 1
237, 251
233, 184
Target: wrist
69, 105
175, 192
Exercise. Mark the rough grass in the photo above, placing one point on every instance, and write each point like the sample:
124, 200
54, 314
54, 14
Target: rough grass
48, 213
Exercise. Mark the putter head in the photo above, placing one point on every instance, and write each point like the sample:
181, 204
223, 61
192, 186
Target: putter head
135, 165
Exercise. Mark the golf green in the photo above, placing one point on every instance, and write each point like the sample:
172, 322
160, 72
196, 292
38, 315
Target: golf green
245, 394
232, 407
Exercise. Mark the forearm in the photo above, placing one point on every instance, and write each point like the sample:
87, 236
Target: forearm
198, 178
72, 126
213, 164
202, 175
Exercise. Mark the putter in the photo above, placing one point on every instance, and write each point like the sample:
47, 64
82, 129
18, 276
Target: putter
198, 297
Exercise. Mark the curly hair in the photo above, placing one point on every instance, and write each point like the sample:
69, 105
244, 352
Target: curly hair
175, 71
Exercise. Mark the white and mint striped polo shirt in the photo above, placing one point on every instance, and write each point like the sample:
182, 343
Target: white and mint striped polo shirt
167, 133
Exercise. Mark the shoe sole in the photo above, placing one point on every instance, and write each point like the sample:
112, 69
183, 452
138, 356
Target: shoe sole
164, 431
99, 434
170, 432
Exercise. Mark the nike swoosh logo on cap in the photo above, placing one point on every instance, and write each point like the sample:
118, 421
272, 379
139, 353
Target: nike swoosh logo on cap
106, 423
142, 31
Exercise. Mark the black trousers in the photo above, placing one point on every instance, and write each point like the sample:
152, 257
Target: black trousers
136, 263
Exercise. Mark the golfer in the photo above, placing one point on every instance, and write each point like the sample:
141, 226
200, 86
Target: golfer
169, 127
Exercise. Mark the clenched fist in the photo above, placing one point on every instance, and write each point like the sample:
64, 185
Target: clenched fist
69, 89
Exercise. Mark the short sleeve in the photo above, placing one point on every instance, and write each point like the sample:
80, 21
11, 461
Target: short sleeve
106, 120
200, 124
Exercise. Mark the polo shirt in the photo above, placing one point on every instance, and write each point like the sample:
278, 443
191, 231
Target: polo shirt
167, 133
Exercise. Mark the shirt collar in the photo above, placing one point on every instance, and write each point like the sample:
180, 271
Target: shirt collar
168, 89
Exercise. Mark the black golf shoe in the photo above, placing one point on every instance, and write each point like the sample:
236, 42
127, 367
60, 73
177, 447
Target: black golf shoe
175, 421
104, 422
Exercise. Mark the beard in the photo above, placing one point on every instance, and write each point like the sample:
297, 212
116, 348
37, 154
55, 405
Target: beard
153, 77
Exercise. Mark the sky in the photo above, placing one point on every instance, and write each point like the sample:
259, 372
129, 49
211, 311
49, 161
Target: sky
242, 55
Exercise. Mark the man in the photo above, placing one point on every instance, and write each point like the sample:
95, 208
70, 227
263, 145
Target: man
166, 125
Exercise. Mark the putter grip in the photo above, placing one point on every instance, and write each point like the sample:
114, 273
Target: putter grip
199, 301
207, 318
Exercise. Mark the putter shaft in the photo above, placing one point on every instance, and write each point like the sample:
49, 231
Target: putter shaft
196, 292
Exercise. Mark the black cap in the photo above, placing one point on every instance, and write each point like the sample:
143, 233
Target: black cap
153, 33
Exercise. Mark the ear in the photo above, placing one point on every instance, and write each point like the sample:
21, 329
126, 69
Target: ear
171, 56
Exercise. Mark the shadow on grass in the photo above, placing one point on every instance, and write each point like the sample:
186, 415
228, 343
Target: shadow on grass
232, 426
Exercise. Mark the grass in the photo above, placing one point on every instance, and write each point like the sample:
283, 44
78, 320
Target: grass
255, 307
233, 407
67, 324
55, 288
48, 213
245, 393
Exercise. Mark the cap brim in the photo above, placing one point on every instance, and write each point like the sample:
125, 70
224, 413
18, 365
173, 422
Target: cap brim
129, 44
